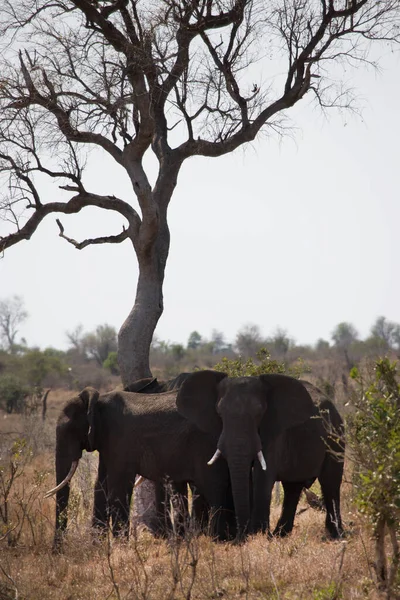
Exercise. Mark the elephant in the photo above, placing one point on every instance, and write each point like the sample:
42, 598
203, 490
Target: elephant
177, 492
134, 434
150, 385
269, 428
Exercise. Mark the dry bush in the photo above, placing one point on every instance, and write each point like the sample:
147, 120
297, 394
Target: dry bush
303, 566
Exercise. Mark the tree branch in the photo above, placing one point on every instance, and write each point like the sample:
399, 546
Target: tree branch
111, 239
75, 205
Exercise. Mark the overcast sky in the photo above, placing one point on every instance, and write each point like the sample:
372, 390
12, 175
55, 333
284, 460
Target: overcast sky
299, 233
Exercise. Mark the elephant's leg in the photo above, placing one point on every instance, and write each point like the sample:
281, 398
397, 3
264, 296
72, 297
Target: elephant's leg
170, 501
120, 495
163, 526
178, 507
292, 491
200, 509
100, 507
330, 479
221, 514
263, 483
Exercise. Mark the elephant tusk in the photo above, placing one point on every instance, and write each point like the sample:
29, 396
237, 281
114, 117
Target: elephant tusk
138, 481
64, 481
215, 457
261, 458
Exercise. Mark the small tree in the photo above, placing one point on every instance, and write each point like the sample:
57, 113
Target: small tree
218, 342
194, 340
249, 340
75, 338
344, 335
279, 343
111, 363
98, 344
374, 441
385, 334
12, 314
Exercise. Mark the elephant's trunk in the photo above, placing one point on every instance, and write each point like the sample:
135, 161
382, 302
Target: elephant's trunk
240, 451
240, 471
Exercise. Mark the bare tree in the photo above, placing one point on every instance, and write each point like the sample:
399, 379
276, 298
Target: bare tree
75, 337
386, 332
98, 344
249, 340
12, 314
344, 335
176, 78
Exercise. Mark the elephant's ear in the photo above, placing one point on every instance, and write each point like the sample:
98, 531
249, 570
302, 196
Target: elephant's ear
89, 397
196, 400
288, 404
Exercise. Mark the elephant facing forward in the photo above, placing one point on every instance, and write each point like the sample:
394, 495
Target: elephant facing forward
269, 428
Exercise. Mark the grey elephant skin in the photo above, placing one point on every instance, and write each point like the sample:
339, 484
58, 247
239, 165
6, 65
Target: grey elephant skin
178, 492
134, 434
151, 385
301, 439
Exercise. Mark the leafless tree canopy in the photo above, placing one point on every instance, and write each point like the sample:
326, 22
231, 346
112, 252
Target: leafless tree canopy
177, 78
12, 314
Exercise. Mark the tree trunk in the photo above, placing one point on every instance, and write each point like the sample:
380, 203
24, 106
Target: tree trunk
134, 341
136, 333
380, 554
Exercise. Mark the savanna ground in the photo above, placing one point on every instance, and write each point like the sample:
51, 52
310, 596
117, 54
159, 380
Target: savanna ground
305, 565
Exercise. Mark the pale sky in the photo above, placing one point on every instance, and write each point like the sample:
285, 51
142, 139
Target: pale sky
299, 233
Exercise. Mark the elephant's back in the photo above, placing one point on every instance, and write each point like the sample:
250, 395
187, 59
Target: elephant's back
149, 403
144, 412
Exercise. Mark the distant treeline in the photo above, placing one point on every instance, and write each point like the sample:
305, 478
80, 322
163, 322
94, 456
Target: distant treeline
91, 358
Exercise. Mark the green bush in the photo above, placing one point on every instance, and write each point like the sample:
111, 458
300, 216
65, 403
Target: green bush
12, 393
244, 367
111, 363
374, 440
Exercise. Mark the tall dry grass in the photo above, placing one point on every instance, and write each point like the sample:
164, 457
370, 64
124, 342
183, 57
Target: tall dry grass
303, 566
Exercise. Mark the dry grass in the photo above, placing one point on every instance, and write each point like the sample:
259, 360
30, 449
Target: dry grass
303, 566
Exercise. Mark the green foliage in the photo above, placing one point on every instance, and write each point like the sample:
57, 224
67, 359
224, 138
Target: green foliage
374, 439
386, 333
98, 344
194, 340
374, 435
178, 351
240, 367
24, 375
111, 363
12, 467
329, 592
344, 335
37, 364
12, 393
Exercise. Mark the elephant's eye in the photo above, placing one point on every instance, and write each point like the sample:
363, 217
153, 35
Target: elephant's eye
218, 406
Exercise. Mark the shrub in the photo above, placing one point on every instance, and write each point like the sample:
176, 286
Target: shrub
12, 393
374, 439
240, 367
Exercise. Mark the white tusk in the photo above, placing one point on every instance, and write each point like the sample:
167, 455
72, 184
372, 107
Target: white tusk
215, 457
261, 458
64, 481
138, 481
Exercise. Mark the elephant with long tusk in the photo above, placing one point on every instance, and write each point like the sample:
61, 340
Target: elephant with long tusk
136, 434
260, 457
